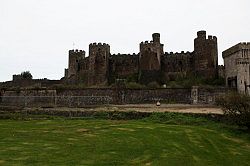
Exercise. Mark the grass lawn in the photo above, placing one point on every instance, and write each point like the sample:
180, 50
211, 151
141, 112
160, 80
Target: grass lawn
107, 142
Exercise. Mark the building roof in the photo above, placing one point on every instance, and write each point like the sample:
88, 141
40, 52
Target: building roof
235, 48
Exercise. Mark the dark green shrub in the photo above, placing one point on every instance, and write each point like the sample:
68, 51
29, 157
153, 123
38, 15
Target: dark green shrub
134, 85
153, 85
26, 75
132, 78
236, 108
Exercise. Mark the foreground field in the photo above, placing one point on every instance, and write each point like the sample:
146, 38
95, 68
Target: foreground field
106, 142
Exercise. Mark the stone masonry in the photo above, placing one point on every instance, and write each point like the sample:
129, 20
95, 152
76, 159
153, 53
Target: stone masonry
237, 68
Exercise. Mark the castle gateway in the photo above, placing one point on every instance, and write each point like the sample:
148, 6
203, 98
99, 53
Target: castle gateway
151, 64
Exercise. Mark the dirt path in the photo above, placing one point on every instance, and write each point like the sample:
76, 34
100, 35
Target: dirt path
183, 108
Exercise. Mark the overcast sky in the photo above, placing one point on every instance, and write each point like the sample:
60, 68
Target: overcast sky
35, 35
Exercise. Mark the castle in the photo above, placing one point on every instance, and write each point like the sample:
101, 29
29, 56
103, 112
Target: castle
151, 64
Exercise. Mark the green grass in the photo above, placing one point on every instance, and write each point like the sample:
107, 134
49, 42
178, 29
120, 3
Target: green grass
106, 142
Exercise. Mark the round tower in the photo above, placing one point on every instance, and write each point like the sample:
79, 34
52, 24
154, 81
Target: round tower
201, 35
150, 59
74, 58
205, 55
156, 37
150, 53
99, 62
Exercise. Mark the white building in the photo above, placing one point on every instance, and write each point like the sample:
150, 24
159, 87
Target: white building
237, 68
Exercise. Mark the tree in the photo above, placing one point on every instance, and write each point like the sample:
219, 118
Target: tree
26, 75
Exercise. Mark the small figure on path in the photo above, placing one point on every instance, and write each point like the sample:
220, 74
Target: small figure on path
158, 104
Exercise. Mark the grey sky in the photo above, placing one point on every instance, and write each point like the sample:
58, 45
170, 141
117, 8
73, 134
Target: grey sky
36, 35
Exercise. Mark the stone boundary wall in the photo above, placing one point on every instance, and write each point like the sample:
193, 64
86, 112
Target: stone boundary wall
86, 97
208, 96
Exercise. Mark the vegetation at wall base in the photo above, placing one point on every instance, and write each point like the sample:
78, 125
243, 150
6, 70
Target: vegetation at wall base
236, 108
134, 85
190, 80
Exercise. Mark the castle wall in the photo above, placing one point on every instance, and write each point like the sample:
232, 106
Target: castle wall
32, 83
221, 71
177, 64
124, 65
208, 96
86, 97
17, 77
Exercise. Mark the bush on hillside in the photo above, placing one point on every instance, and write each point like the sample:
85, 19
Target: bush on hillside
236, 107
134, 85
153, 85
26, 75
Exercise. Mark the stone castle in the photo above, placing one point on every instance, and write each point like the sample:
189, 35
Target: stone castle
151, 64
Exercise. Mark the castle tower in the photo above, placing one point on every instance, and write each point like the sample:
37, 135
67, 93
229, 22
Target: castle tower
150, 53
74, 58
156, 37
205, 55
98, 63
150, 59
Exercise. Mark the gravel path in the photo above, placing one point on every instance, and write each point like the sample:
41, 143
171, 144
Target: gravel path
183, 108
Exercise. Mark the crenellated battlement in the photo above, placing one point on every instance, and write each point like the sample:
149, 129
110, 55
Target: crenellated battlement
99, 44
125, 55
155, 41
168, 54
236, 48
147, 43
245, 43
213, 38
76, 51
203, 36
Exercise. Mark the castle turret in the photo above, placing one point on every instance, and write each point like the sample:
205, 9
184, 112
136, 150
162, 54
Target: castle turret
205, 55
99, 63
150, 53
74, 58
156, 37
150, 58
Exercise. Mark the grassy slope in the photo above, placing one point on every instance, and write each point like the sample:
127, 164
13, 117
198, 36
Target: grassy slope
105, 142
